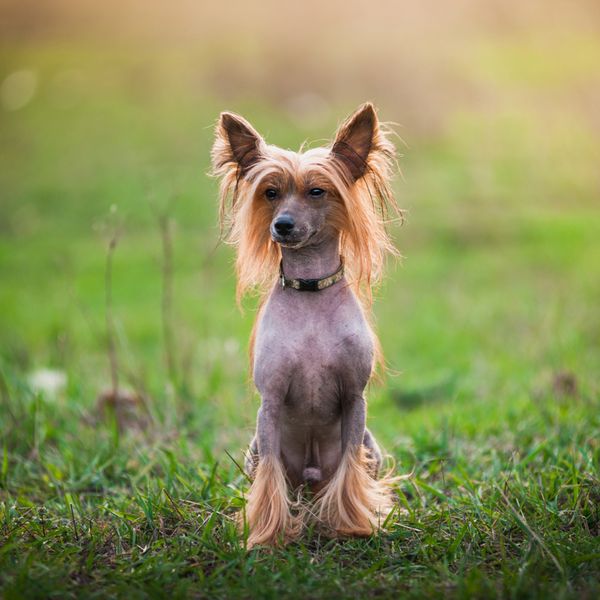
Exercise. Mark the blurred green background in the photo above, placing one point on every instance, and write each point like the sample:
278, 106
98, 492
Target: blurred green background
490, 323
106, 121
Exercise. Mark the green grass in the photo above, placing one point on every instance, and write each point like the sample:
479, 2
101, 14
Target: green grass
490, 325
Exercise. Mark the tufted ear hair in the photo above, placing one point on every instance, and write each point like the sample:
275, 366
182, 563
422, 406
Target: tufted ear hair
236, 143
355, 139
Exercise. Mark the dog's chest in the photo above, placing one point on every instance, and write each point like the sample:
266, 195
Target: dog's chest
311, 349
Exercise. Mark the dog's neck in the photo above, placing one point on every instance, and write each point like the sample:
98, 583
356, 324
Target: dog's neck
312, 262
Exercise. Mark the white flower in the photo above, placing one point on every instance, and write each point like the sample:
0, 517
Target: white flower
48, 381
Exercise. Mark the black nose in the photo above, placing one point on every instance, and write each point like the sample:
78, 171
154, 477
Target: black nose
284, 225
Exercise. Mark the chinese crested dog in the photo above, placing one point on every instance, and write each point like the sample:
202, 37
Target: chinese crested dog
309, 229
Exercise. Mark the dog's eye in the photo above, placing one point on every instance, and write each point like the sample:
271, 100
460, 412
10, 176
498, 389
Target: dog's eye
271, 193
316, 192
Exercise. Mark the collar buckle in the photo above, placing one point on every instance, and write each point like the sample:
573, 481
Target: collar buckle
309, 285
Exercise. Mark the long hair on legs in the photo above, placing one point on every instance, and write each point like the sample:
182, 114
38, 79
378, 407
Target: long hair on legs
269, 510
354, 501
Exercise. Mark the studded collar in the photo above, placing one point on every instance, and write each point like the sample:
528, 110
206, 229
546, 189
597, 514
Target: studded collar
311, 285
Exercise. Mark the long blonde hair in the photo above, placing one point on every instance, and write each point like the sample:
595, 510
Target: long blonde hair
357, 165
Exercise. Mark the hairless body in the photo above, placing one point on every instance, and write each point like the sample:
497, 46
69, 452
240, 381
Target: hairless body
313, 358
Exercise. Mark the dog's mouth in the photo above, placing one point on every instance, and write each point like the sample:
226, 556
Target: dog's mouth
289, 241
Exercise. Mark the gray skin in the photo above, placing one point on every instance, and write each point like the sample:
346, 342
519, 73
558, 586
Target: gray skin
313, 356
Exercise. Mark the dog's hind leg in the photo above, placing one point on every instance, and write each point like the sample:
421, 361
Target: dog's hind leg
251, 461
373, 452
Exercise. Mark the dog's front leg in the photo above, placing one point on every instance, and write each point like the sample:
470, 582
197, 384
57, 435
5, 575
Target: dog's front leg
268, 508
355, 433
354, 502
354, 415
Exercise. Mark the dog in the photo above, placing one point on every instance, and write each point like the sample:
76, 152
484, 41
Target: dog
309, 229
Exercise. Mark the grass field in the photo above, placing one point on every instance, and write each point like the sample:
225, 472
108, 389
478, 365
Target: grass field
490, 325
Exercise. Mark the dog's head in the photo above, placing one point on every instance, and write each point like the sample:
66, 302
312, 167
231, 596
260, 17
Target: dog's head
272, 197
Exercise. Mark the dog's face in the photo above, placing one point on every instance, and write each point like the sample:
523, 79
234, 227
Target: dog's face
300, 198
300, 192
272, 198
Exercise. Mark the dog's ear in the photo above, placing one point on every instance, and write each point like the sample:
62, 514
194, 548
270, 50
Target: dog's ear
236, 142
354, 140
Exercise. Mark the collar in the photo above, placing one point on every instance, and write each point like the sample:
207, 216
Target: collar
311, 285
